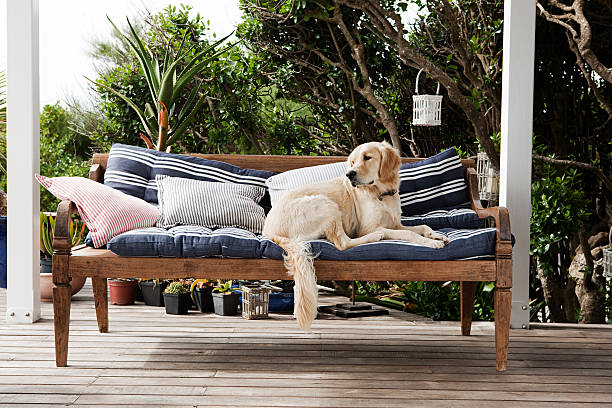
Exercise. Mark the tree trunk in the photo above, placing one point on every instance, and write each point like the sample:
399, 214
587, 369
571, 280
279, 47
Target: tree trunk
589, 293
561, 301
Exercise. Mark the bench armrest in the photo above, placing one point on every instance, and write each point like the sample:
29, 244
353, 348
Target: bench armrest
62, 241
96, 173
499, 214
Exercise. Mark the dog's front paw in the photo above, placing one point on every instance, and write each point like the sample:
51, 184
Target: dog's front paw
438, 237
436, 244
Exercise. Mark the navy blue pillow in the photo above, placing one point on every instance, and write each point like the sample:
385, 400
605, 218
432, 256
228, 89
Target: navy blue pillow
433, 184
132, 170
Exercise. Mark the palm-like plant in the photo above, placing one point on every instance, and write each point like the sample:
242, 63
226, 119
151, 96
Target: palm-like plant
166, 80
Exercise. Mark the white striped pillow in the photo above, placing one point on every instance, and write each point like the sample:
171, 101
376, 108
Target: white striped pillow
185, 201
281, 183
106, 212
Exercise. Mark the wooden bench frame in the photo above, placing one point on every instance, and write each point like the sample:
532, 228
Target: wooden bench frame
101, 264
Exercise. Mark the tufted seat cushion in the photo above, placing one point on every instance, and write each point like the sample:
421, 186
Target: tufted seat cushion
195, 241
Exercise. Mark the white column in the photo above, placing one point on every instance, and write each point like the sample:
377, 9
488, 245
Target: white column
23, 139
516, 139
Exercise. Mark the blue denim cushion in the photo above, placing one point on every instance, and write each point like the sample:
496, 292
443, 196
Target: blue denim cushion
194, 242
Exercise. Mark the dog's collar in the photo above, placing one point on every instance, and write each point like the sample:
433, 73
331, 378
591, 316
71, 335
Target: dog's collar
386, 193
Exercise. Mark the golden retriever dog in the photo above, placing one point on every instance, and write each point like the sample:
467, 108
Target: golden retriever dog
355, 209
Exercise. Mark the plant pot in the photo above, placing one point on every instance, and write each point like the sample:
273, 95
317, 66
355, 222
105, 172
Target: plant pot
203, 299
46, 265
177, 303
226, 305
281, 302
46, 286
139, 297
122, 292
152, 293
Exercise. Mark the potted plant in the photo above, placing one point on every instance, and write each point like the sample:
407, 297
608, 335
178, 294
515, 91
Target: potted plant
152, 291
47, 228
201, 294
122, 291
225, 299
177, 299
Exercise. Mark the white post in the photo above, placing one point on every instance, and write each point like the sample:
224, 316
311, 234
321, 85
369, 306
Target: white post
23, 156
516, 139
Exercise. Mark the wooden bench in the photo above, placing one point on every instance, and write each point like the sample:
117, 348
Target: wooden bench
101, 264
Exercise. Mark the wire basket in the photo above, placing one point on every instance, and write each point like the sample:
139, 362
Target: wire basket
255, 301
426, 109
488, 179
607, 258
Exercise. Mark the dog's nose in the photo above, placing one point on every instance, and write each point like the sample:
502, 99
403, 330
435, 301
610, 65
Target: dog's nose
351, 174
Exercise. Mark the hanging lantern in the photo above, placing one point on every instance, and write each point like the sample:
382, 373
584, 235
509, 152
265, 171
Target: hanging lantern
488, 179
607, 258
426, 109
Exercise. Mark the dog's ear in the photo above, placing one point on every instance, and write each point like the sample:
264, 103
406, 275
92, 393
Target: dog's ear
389, 164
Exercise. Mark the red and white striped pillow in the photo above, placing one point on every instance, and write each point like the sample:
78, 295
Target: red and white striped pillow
106, 212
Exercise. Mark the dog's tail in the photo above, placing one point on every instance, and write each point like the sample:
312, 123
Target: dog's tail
299, 262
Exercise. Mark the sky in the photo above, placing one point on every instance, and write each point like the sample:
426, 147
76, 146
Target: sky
67, 27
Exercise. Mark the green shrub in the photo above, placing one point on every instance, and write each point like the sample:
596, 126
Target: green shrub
62, 151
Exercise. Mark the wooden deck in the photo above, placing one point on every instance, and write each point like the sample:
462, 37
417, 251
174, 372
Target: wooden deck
150, 359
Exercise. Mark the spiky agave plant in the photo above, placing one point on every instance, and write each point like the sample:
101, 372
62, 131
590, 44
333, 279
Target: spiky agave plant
47, 228
166, 80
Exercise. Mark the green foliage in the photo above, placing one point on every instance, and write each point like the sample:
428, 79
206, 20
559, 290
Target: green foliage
2, 129
167, 76
224, 287
436, 300
242, 113
558, 209
176, 287
62, 151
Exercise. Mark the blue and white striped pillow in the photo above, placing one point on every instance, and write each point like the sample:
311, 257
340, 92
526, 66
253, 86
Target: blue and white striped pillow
434, 183
132, 170
185, 201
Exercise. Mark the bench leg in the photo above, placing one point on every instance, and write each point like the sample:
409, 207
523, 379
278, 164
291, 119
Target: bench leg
61, 320
100, 290
503, 304
467, 306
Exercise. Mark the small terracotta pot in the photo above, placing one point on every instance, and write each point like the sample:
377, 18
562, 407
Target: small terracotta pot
122, 292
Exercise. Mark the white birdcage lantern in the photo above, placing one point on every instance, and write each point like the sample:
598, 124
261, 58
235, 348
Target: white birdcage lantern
426, 109
607, 258
488, 179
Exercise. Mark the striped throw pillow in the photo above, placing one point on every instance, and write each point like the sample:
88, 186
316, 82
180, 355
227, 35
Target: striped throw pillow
106, 211
432, 184
214, 205
281, 183
133, 169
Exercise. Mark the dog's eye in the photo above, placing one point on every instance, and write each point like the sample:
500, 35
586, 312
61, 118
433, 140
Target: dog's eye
366, 157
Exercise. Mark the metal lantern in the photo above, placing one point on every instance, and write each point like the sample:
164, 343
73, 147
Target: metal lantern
607, 258
426, 109
488, 179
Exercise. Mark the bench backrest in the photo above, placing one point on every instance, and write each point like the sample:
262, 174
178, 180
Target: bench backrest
273, 163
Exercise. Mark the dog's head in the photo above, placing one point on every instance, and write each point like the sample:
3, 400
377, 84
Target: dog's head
373, 163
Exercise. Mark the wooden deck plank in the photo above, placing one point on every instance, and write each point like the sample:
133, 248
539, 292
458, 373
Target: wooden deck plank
151, 359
